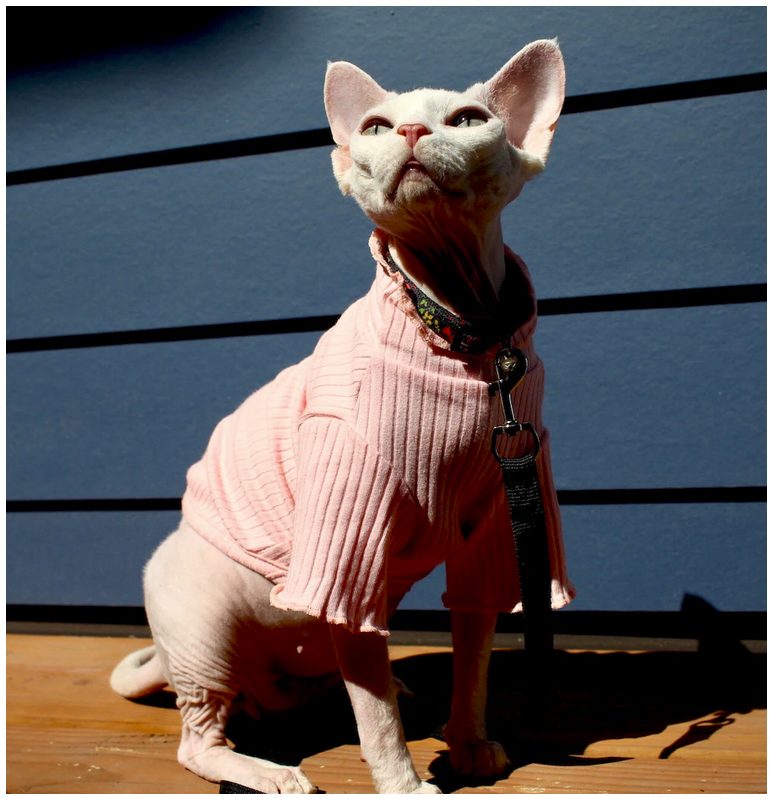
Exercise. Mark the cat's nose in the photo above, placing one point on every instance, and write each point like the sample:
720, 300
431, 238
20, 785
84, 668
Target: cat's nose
413, 133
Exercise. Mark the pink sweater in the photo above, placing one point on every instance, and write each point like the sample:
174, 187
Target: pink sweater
355, 472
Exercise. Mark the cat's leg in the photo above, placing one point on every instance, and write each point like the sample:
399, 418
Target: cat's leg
364, 662
471, 753
204, 750
201, 606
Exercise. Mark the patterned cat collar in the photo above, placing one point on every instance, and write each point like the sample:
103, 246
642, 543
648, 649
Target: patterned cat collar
464, 335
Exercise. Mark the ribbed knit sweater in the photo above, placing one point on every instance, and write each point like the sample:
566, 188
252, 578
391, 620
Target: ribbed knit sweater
357, 471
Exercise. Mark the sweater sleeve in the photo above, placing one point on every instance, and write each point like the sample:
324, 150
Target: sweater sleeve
347, 504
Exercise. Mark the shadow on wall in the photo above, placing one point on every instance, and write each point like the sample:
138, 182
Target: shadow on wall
94, 31
595, 697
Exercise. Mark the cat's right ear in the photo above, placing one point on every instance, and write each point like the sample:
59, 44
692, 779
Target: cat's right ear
527, 94
348, 93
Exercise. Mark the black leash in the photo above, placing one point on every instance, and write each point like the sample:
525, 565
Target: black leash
235, 787
526, 508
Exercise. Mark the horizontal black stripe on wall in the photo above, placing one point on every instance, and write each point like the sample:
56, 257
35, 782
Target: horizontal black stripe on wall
598, 303
320, 137
305, 324
601, 496
652, 300
199, 153
695, 619
93, 505
662, 496
683, 90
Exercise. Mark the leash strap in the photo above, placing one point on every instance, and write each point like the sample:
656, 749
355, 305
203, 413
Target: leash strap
235, 787
526, 508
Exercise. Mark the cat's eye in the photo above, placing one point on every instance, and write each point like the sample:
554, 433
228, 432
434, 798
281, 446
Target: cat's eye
375, 126
468, 118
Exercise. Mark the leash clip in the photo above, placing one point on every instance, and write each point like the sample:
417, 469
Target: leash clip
512, 429
511, 367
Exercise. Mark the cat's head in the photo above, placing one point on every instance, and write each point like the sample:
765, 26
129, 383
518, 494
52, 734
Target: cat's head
406, 154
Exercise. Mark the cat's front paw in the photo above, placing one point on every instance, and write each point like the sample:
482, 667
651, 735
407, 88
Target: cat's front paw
479, 758
426, 787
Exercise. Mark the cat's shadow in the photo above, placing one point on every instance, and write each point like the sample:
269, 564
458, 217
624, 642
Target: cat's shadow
586, 697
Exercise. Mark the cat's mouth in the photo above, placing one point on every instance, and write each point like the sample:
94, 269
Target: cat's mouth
413, 166
412, 169
410, 181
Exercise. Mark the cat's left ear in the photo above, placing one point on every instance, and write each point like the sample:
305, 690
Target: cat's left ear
527, 94
348, 93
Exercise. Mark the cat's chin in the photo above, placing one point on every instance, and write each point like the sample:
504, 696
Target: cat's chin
414, 187
416, 182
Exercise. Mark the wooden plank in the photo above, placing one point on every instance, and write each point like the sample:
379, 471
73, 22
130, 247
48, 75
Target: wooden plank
655, 401
271, 236
97, 558
258, 71
67, 733
220, 242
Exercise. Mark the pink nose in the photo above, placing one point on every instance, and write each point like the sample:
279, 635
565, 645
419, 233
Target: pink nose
412, 133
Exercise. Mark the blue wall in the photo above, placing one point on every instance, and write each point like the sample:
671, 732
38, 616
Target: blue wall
640, 198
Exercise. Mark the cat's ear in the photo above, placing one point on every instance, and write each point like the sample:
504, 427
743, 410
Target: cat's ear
348, 93
527, 94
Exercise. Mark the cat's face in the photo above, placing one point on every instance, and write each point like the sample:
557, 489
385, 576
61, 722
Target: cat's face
429, 146
435, 151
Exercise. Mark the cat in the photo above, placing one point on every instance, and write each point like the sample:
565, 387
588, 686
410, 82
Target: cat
333, 489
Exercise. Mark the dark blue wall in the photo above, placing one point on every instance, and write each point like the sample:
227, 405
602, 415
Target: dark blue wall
653, 197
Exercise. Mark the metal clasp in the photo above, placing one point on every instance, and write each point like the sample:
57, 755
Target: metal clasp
512, 430
511, 368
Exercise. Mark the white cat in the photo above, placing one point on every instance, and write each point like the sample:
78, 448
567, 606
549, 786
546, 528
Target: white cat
329, 492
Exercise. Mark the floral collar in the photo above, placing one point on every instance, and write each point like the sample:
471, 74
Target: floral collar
479, 334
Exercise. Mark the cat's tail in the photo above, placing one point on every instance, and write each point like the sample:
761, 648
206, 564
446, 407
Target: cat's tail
138, 674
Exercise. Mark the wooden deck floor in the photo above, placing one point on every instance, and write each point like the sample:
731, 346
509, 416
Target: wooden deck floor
621, 722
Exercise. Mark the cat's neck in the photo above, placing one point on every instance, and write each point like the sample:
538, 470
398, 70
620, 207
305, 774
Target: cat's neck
460, 268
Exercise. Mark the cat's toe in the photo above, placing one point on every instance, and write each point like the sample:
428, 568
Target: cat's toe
293, 780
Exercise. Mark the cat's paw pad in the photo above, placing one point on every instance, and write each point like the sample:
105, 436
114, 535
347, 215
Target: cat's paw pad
479, 758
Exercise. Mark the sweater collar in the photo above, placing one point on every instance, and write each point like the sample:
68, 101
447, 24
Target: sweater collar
473, 334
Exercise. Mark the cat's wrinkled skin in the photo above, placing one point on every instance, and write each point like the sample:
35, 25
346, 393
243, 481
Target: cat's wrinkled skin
437, 183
